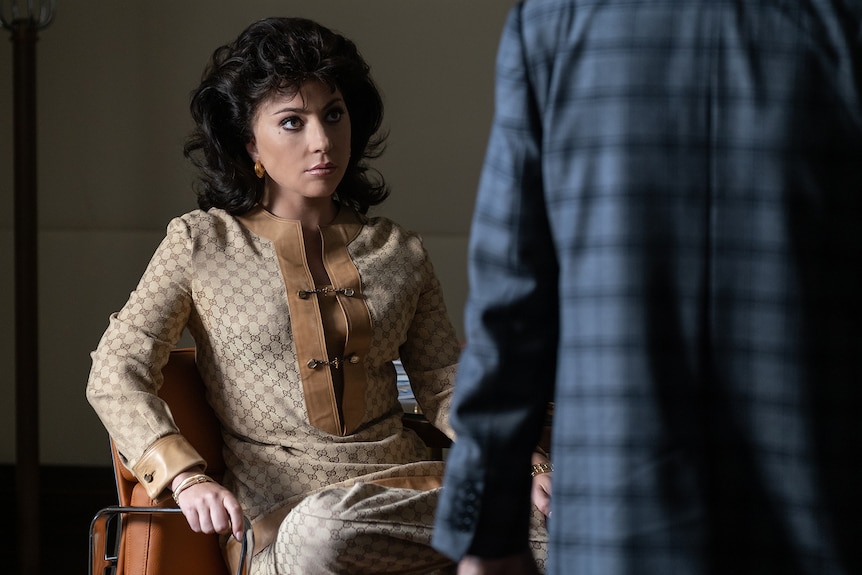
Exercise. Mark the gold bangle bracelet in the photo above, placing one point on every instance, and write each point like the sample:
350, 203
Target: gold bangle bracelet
540, 468
188, 482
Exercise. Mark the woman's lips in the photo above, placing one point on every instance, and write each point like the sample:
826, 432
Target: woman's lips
322, 169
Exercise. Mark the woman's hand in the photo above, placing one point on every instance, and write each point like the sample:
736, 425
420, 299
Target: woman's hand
209, 507
540, 493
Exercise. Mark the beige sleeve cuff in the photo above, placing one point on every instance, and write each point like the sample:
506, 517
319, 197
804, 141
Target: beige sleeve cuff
162, 461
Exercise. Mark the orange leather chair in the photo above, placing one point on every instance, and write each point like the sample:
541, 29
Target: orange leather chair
136, 539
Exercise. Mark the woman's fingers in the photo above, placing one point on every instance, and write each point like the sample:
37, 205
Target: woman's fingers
541, 493
210, 508
237, 518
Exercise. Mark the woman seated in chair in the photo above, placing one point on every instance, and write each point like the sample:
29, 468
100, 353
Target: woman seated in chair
298, 303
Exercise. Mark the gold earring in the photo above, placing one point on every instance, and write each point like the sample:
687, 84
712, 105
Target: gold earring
259, 170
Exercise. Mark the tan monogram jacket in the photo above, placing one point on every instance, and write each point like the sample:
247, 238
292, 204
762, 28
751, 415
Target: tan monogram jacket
242, 288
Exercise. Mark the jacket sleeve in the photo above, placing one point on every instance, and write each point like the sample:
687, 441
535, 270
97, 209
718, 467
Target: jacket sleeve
126, 370
431, 350
506, 374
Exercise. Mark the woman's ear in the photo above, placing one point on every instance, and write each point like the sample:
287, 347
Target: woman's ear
251, 148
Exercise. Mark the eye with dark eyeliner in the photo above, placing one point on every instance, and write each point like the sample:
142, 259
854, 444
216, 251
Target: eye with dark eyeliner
291, 123
335, 115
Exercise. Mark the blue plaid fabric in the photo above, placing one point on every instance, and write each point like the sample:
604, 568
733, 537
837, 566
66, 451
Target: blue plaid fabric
667, 243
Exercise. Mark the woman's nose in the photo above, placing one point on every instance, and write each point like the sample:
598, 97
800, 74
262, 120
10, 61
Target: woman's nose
320, 140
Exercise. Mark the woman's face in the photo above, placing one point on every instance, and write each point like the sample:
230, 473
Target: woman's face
303, 142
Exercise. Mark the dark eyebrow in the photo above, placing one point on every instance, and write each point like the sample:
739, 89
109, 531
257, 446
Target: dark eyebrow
304, 110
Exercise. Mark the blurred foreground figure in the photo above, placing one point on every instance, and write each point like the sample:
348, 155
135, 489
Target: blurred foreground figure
667, 243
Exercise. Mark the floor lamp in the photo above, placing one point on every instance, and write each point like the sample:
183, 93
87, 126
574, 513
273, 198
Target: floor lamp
23, 20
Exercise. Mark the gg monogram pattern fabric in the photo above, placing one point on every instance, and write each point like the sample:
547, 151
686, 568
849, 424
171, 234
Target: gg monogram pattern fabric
232, 288
367, 528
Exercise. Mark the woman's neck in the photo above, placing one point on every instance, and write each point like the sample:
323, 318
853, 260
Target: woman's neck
311, 214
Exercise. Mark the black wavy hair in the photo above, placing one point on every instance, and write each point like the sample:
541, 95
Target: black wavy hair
276, 56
